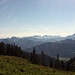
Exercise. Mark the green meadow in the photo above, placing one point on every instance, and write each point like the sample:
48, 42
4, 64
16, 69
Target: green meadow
10, 65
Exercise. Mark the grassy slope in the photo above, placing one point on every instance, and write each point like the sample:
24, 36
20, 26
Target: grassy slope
18, 66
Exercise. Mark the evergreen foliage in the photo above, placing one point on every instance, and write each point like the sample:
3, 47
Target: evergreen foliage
51, 63
33, 57
11, 50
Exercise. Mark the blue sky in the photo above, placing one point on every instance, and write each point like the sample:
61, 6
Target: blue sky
37, 17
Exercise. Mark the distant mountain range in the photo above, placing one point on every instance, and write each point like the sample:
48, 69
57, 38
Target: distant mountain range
28, 42
50, 45
65, 48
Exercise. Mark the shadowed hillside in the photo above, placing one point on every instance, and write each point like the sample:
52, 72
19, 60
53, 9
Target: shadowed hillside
64, 48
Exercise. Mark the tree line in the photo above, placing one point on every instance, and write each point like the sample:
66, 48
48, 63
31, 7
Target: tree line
8, 49
56, 64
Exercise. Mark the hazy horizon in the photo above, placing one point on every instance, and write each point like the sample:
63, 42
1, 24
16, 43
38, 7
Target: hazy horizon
23, 18
36, 36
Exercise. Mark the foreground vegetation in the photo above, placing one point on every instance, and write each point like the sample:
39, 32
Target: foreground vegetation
10, 65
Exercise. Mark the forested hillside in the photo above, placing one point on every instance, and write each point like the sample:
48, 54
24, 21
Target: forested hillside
39, 59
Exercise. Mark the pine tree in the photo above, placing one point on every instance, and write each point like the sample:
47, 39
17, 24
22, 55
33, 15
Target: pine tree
62, 64
42, 59
68, 66
2, 48
57, 56
57, 64
51, 63
33, 57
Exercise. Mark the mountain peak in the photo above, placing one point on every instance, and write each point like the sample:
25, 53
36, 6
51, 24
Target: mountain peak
73, 34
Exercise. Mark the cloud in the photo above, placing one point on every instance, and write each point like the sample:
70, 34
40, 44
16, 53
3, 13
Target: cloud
26, 29
45, 28
31, 29
2, 1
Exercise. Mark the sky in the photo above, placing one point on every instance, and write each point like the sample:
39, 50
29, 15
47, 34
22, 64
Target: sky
37, 17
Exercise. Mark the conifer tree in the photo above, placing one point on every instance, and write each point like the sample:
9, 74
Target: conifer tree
62, 64
57, 63
42, 59
33, 57
51, 63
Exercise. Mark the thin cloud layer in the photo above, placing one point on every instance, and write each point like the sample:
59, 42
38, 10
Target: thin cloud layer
45, 28
2, 1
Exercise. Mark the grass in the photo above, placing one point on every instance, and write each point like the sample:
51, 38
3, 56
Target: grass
10, 65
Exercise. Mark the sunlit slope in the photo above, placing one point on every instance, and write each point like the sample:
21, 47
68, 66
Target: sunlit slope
19, 66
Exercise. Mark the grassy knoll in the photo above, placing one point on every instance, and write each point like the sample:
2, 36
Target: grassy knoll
18, 66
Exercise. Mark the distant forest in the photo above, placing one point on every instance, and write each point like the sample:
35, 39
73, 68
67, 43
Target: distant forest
14, 50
